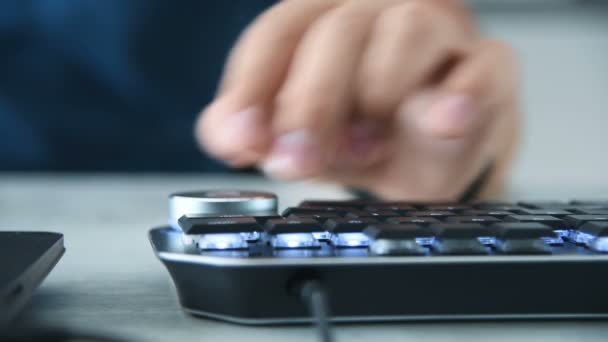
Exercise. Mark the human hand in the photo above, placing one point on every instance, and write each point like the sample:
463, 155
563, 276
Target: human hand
403, 98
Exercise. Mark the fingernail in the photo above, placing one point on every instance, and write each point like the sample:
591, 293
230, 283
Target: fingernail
450, 116
295, 154
360, 144
360, 154
242, 128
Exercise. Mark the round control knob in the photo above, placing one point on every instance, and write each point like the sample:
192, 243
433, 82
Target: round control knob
221, 202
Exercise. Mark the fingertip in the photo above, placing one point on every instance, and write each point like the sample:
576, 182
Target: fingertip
294, 155
235, 136
364, 144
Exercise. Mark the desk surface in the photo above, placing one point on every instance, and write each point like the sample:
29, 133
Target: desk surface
109, 280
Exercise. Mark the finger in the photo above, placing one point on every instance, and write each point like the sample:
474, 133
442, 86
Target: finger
469, 98
364, 144
235, 124
314, 103
409, 43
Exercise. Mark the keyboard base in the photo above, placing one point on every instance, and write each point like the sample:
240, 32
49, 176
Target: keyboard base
255, 290
386, 319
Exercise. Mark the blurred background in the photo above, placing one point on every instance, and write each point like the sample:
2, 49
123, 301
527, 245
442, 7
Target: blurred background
563, 51
115, 86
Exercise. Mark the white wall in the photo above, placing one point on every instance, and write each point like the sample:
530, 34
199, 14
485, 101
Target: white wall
564, 56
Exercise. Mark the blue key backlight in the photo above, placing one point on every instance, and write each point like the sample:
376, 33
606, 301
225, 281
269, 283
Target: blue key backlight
350, 240
599, 244
222, 241
294, 240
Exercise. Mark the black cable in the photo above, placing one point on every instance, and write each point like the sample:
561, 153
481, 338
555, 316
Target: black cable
315, 298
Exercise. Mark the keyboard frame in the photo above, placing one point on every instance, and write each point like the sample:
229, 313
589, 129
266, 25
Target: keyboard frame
256, 290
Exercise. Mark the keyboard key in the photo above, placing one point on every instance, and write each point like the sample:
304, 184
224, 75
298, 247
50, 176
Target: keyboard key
320, 217
550, 212
354, 204
529, 246
391, 239
396, 206
459, 230
554, 222
568, 207
388, 231
292, 225
497, 206
459, 238
425, 221
558, 205
347, 232
595, 236
447, 207
348, 225
319, 211
485, 220
262, 219
350, 240
222, 241
483, 212
521, 230
595, 229
595, 203
543, 204
578, 220
561, 227
218, 225
294, 240
592, 211
522, 238
431, 213
380, 214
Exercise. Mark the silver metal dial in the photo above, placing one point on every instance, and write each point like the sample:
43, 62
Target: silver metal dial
221, 202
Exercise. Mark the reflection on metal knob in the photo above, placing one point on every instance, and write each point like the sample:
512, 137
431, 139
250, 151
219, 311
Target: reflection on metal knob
221, 202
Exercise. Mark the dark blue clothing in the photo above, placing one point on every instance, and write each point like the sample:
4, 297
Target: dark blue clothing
111, 85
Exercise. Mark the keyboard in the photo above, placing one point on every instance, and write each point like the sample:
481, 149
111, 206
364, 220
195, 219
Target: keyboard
233, 257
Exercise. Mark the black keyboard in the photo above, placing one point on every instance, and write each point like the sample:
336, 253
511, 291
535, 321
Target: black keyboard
392, 260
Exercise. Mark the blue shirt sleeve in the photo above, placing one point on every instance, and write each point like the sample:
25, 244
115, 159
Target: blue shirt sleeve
111, 85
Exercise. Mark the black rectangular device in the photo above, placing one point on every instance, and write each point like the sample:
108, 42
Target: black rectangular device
383, 261
25, 260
